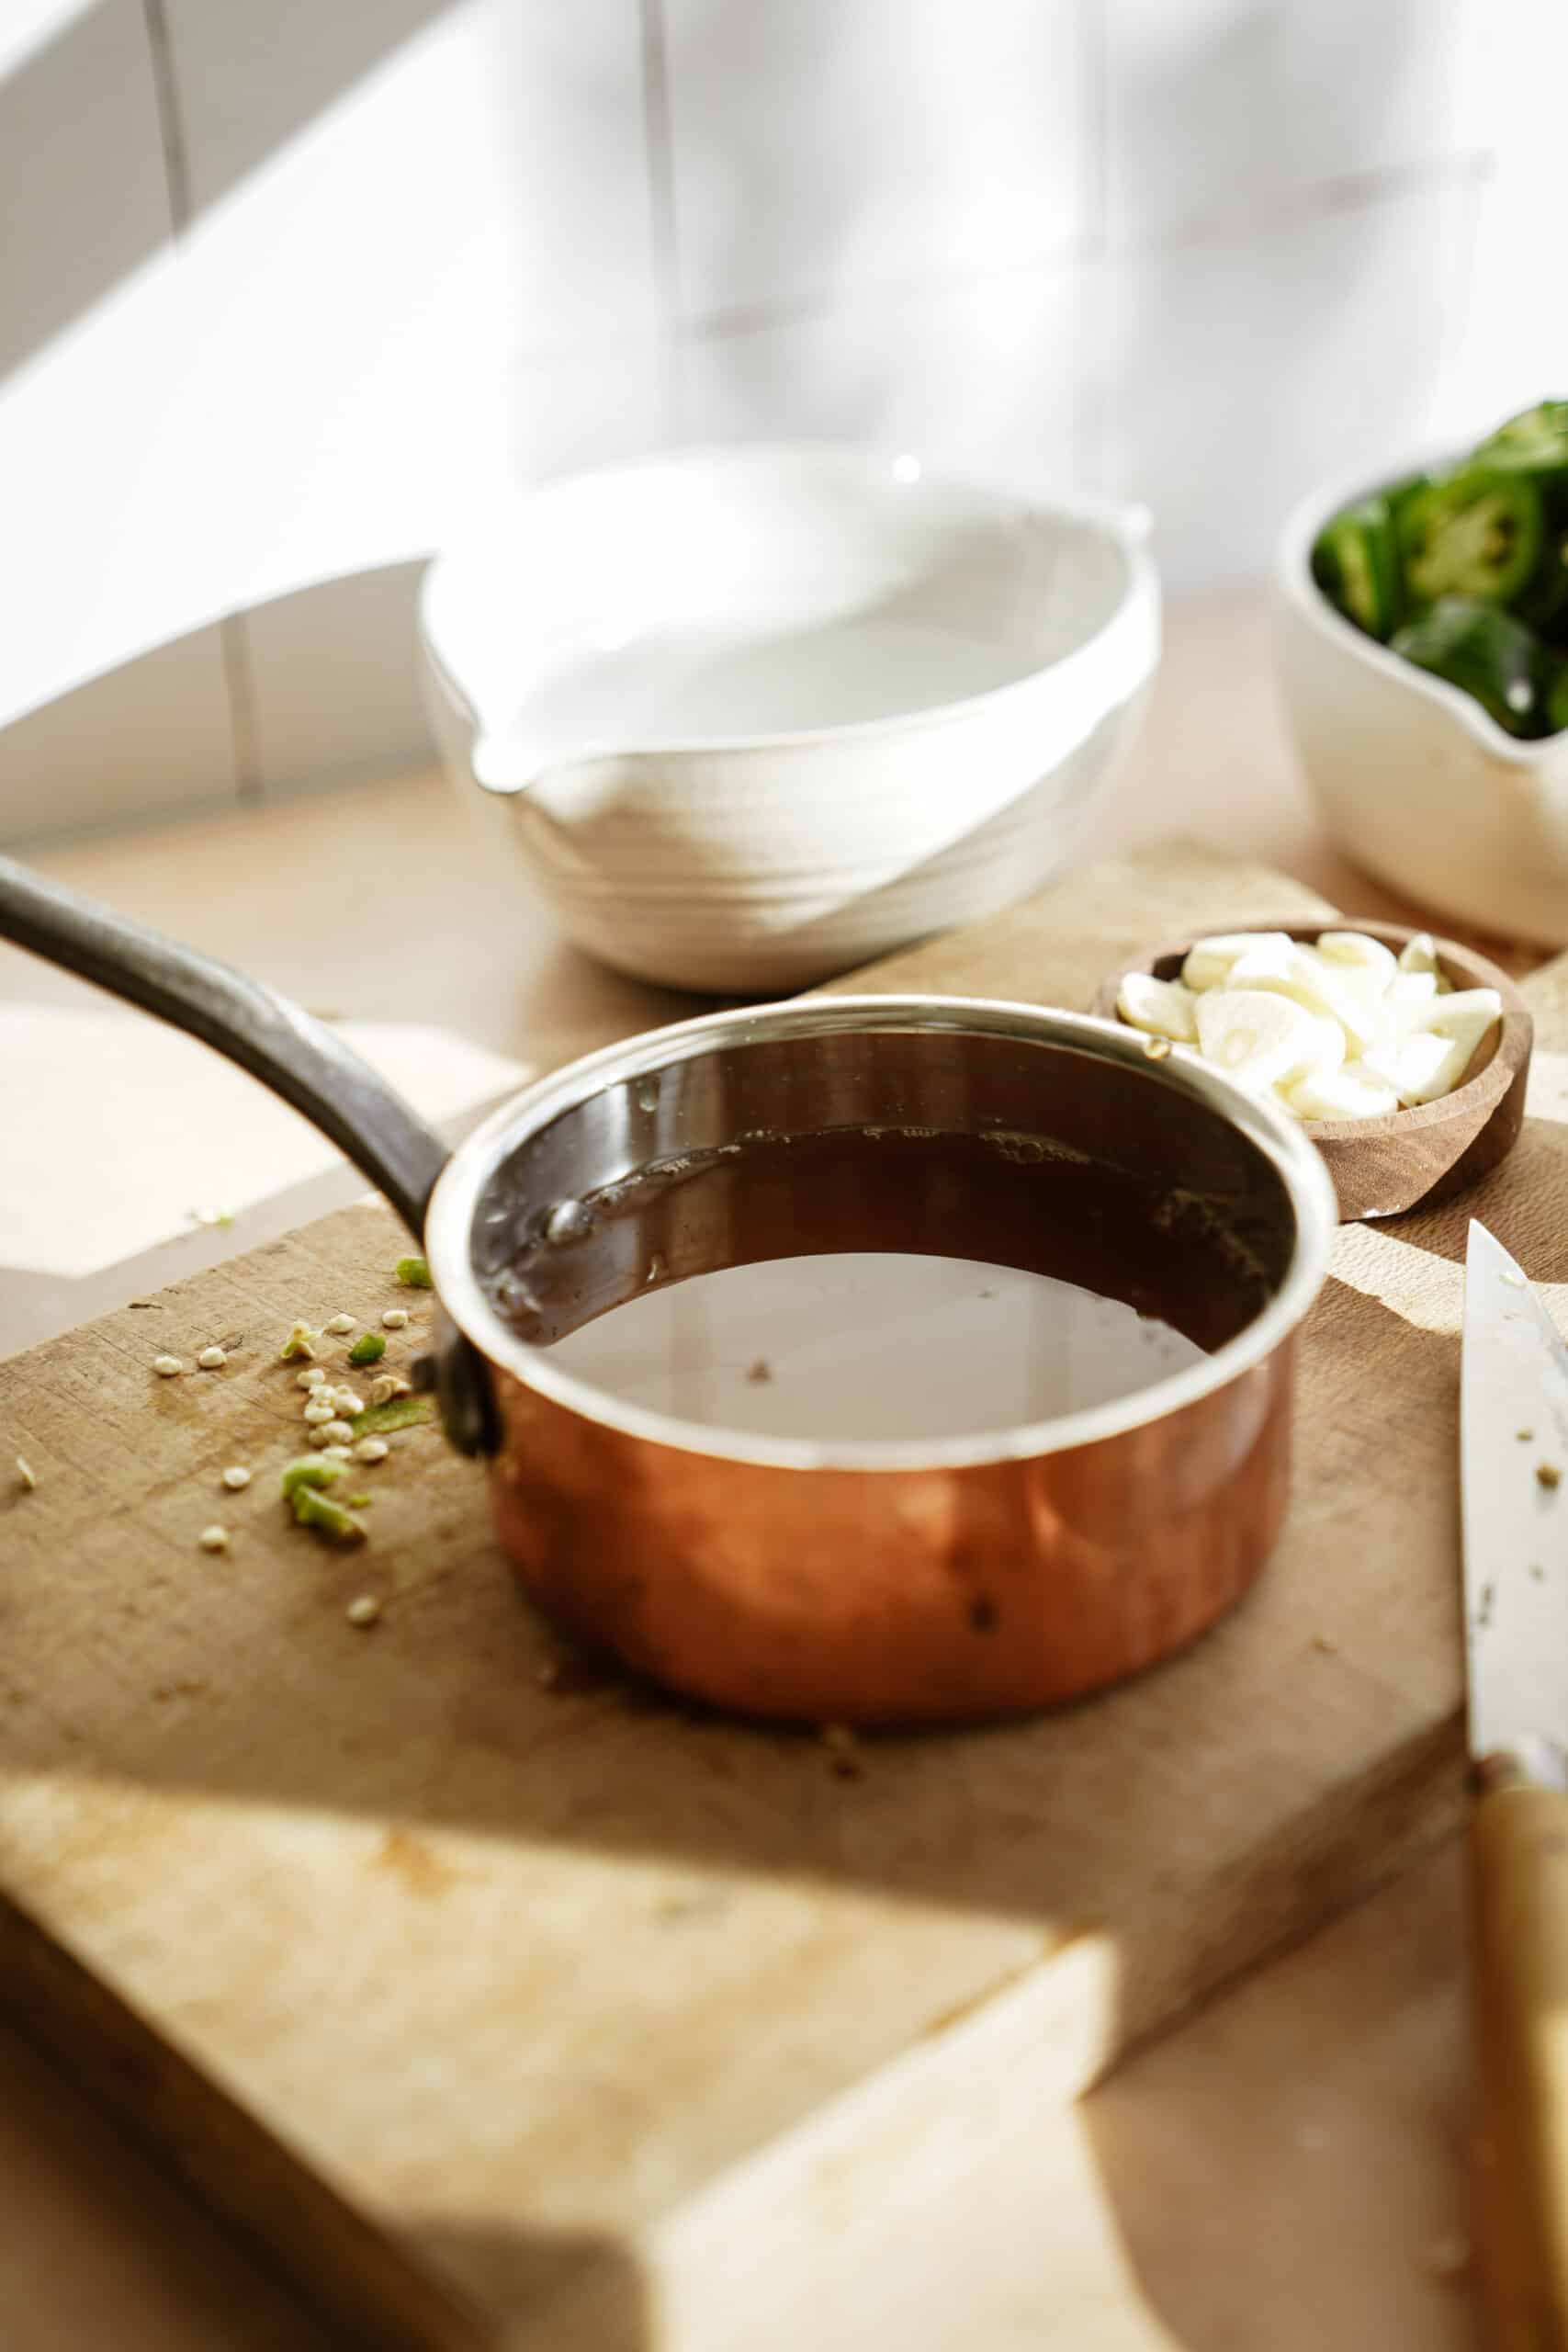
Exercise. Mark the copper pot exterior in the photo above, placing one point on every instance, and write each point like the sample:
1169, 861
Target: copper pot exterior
888, 1596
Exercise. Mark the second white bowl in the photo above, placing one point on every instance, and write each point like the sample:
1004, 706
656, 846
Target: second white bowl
1414, 780
752, 715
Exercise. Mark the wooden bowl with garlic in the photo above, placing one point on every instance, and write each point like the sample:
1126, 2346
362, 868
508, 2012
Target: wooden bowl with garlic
1405, 1057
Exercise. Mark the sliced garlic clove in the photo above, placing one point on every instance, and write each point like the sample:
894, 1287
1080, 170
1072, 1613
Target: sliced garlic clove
1465, 1016
1365, 962
1419, 1067
1209, 961
1350, 1092
1419, 955
1409, 998
1162, 1008
1301, 974
1258, 1038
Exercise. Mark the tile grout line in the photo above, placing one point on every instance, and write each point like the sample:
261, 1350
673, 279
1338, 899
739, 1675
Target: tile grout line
658, 155
238, 680
234, 654
171, 117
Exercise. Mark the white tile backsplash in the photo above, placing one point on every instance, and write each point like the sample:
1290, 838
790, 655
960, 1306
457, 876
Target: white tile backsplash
1219, 110
333, 681
152, 738
1251, 368
819, 149
986, 375
1198, 251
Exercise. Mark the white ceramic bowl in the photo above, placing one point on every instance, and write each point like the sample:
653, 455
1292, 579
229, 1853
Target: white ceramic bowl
752, 715
1412, 777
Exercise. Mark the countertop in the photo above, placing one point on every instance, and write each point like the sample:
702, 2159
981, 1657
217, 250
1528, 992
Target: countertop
1287, 2169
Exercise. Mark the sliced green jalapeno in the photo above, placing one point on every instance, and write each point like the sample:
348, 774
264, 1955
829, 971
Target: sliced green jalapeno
1474, 532
1489, 653
1536, 441
1355, 561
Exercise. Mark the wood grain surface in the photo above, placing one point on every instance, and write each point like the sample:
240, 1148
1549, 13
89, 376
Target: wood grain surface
498, 2008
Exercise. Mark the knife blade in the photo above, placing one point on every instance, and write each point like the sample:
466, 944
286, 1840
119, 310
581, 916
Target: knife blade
1514, 1480
1514, 1477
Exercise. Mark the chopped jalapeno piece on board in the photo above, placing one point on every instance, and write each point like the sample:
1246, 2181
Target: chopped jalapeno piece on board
1490, 654
1476, 533
1355, 561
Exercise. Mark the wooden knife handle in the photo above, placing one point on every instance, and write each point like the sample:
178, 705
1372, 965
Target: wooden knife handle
1519, 1956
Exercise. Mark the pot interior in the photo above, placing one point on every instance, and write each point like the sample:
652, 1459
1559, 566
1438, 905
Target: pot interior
888, 1157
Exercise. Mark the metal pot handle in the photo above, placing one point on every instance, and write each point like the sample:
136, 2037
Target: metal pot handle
297, 1056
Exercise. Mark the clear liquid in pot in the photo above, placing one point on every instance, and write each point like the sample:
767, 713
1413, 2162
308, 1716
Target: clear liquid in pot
734, 1288
867, 1344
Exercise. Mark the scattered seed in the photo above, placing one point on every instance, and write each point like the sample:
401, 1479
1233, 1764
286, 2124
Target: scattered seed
347, 1402
212, 1359
301, 1341
396, 1318
412, 1272
214, 1538
314, 1377
1524, 1436
1156, 1048
26, 1476
319, 1411
364, 1609
1548, 1474
388, 1385
338, 1325
166, 1367
371, 1449
1538, 1572
337, 1431
236, 1477
370, 1347
1322, 1642
759, 1371
336, 1453
318, 1436
1515, 1280
355, 1502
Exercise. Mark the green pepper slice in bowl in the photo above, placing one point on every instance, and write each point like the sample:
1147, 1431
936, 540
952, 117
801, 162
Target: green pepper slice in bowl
1355, 561
1476, 533
1492, 656
1536, 441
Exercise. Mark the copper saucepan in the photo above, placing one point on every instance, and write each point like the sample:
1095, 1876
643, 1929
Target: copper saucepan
873, 1580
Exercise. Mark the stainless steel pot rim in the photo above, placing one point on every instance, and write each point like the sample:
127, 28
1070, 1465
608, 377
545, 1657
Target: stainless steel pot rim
1279, 1138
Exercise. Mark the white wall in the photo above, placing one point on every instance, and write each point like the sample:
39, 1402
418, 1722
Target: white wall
283, 284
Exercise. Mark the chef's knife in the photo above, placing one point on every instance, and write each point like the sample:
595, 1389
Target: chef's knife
1514, 1464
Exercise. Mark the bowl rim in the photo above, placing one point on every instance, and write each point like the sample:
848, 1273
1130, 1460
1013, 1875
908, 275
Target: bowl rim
1124, 525
1410, 1118
1294, 575
1280, 1139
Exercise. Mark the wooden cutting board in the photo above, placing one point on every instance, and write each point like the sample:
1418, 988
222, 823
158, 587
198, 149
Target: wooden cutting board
539, 2016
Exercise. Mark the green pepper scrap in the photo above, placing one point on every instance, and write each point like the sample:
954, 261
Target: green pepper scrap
1465, 571
401, 1413
303, 1484
1490, 654
370, 1347
414, 1273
